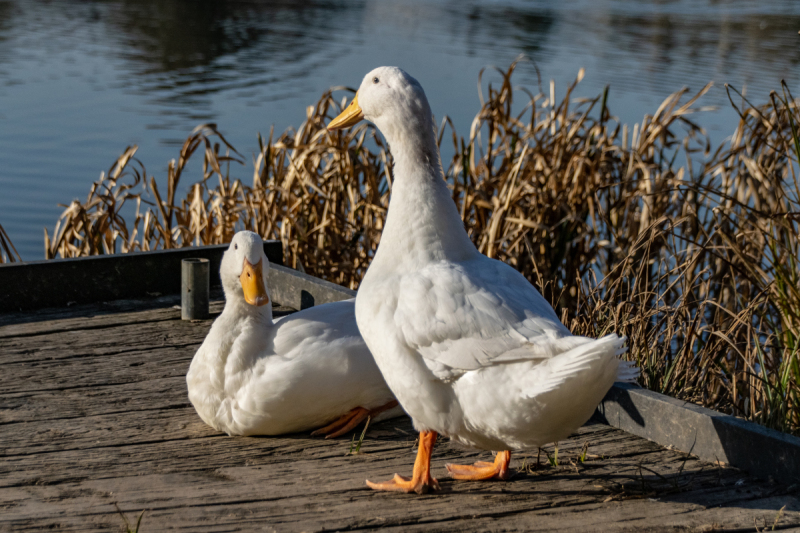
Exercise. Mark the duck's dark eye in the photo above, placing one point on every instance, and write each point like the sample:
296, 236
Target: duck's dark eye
375, 79
235, 246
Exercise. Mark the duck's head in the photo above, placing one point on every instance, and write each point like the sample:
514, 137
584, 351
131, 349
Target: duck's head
244, 269
393, 101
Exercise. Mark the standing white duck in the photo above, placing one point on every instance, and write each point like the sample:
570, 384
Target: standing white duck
468, 346
256, 376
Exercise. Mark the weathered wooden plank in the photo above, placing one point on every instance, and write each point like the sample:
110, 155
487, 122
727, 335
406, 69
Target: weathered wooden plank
63, 282
142, 350
92, 400
486, 515
118, 429
117, 368
710, 435
61, 339
137, 352
303, 484
300, 291
119, 420
338, 500
291, 497
80, 324
96, 452
96, 308
139, 335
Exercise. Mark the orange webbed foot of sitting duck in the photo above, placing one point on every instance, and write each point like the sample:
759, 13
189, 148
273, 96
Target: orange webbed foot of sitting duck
483, 470
343, 424
421, 481
351, 419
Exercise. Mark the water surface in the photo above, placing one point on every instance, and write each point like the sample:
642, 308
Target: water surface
81, 80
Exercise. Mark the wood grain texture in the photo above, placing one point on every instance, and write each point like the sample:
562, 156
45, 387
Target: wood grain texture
94, 412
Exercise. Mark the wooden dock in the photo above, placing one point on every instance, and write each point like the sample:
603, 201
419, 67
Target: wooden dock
94, 417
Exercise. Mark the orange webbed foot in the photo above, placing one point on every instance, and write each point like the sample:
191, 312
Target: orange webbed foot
422, 481
404, 484
483, 470
351, 419
343, 424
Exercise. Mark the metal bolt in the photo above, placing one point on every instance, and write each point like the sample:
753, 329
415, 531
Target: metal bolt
194, 288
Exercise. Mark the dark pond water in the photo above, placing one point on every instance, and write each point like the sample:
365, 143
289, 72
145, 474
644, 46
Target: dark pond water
81, 80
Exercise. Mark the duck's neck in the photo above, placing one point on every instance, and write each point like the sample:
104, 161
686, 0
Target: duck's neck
423, 224
236, 307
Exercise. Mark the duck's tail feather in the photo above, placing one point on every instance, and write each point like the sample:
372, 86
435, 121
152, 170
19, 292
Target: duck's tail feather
627, 372
593, 362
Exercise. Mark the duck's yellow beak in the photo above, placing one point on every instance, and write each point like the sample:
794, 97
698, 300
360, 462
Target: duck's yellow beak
255, 293
351, 115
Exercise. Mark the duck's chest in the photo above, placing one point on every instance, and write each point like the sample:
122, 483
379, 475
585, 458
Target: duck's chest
383, 328
247, 354
376, 307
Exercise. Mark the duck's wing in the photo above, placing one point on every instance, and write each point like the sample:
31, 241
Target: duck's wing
306, 369
464, 316
316, 329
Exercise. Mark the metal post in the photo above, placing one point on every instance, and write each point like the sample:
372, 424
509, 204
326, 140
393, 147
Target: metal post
194, 288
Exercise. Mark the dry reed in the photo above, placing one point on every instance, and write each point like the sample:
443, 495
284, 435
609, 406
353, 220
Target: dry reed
8, 254
645, 231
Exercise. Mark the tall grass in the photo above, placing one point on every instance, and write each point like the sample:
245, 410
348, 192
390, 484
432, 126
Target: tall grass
690, 252
8, 254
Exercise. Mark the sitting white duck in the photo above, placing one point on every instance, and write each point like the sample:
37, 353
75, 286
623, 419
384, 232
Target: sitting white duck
257, 376
468, 346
